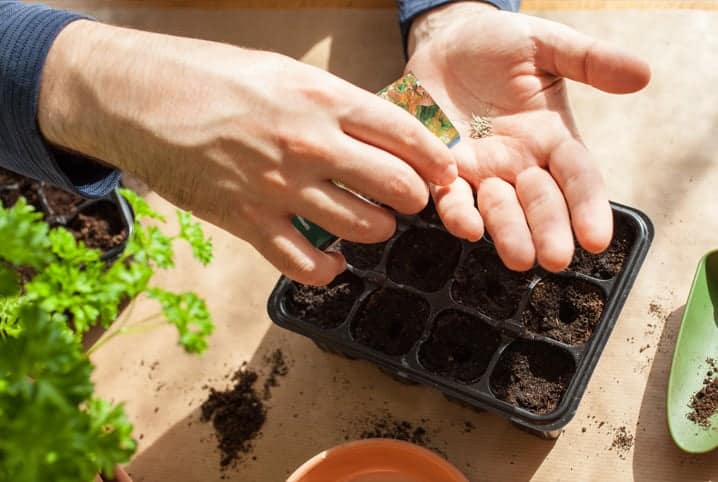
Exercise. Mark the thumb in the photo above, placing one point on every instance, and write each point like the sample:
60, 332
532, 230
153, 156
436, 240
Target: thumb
561, 50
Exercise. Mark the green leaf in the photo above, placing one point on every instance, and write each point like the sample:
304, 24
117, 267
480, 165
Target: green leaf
8, 282
139, 206
191, 232
188, 312
24, 236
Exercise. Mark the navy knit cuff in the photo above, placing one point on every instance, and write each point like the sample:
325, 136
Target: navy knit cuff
410, 9
26, 35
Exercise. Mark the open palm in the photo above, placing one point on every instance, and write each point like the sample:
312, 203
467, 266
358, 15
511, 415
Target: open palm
533, 177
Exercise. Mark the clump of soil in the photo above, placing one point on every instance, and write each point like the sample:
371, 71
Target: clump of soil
277, 368
608, 264
460, 346
533, 376
485, 283
325, 306
565, 310
386, 426
237, 415
424, 258
358, 255
100, 226
704, 403
622, 441
61, 202
390, 321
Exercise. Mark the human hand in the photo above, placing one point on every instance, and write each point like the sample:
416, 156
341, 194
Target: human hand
533, 176
244, 139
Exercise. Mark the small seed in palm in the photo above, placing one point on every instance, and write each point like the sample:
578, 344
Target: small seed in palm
480, 126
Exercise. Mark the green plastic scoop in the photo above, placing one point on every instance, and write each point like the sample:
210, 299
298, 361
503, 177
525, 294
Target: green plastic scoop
697, 341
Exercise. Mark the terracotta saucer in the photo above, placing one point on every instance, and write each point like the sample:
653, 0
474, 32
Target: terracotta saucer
377, 460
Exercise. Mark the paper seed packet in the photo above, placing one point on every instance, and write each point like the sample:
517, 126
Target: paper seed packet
408, 94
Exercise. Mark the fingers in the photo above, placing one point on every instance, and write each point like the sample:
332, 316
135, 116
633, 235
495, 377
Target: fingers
344, 214
505, 221
379, 176
568, 53
547, 216
290, 252
388, 127
582, 185
455, 205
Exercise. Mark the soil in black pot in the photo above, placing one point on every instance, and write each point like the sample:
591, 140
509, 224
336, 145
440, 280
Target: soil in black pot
61, 202
608, 264
424, 258
9, 177
567, 310
100, 226
326, 306
362, 256
27, 189
533, 376
485, 283
460, 346
390, 321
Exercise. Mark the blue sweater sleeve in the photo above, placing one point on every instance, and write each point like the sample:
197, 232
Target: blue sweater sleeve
410, 9
26, 34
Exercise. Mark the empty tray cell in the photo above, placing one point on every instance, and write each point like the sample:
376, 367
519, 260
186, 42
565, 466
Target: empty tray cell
485, 283
567, 310
424, 258
99, 225
460, 346
362, 256
608, 264
325, 306
533, 376
61, 202
390, 321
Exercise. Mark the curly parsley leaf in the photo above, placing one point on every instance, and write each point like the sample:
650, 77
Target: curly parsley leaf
189, 313
139, 206
191, 231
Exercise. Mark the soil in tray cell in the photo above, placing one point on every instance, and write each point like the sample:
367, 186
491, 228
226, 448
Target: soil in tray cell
362, 256
61, 202
533, 376
460, 347
390, 321
430, 215
325, 306
424, 258
485, 283
608, 264
100, 226
567, 310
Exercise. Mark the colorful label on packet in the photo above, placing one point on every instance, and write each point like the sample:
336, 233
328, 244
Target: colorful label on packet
408, 94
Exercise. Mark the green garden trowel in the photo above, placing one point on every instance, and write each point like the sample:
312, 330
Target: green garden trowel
697, 341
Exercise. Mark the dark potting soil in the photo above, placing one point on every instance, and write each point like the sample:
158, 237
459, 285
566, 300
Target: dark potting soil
9, 177
27, 189
704, 403
564, 310
424, 258
390, 321
622, 441
485, 283
277, 368
533, 376
386, 426
362, 256
608, 264
460, 346
326, 306
61, 202
99, 226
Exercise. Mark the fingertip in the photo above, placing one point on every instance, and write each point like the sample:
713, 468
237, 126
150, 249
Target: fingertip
516, 257
555, 254
594, 227
448, 175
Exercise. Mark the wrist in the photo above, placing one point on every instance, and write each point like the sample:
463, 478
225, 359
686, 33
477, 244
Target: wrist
425, 26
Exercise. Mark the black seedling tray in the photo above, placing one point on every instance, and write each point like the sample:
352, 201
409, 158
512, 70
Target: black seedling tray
37, 193
502, 327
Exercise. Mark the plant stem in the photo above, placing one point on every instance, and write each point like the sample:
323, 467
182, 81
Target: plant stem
146, 324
